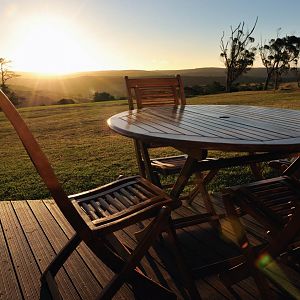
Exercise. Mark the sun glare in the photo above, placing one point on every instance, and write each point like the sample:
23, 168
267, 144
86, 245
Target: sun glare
50, 46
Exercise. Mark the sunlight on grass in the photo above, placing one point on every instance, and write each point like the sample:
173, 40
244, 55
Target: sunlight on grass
86, 153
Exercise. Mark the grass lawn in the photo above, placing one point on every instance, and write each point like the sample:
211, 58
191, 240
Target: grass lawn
85, 153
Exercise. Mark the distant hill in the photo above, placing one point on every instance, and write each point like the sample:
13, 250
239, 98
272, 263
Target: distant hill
81, 86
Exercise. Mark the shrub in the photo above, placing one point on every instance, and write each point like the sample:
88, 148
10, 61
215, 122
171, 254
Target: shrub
103, 96
65, 101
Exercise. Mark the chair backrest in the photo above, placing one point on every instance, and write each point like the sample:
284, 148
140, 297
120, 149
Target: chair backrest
42, 164
292, 228
144, 92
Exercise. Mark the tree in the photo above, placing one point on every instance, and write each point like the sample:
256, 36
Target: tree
215, 87
237, 54
65, 101
296, 71
278, 56
6, 73
192, 91
103, 96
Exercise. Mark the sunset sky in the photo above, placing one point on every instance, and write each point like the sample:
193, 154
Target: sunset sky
54, 36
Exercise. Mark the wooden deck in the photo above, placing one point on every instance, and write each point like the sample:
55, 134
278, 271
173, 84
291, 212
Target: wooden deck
33, 231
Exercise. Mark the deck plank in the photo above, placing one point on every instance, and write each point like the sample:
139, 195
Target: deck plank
9, 286
33, 231
41, 247
100, 271
85, 282
23, 260
156, 269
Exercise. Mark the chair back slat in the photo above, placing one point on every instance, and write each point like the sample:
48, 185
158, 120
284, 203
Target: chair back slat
41, 163
144, 92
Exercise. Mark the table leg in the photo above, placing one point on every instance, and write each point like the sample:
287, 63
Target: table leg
183, 178
256, 169
139, 158
188, 169
144, 158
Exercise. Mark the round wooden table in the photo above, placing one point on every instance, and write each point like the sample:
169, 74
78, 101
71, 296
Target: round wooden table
217, 127
271, 132
268, 133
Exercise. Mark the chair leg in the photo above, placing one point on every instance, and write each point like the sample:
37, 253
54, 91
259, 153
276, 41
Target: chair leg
49, 274
155, 228
248, 268
202, 181
136, 278
183, 269
256, 169
139, 159
201, 188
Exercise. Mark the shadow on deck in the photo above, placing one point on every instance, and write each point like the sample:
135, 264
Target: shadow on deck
33, 231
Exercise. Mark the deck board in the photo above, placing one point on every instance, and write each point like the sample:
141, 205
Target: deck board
8, 280
27, 270
41, 247
74, 266
33, 231
100, 271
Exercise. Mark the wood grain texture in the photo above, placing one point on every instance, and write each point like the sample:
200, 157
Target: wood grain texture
201, 245
215, 127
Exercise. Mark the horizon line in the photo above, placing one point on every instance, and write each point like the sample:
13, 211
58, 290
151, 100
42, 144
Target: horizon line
116, 70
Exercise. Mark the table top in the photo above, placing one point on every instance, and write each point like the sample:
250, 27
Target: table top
214, 127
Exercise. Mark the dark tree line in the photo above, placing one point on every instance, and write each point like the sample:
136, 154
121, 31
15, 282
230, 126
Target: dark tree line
196, 90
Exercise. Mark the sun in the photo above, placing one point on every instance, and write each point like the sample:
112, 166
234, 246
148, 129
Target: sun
50, 45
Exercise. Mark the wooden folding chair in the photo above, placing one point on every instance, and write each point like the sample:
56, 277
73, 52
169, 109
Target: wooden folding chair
147, 92
282, 164
96, 214
275, 204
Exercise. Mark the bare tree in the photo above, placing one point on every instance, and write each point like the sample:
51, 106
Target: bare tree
278, 56
237, 54
6, 73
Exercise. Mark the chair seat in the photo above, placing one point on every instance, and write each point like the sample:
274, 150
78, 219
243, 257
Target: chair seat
280, 164
168, 165
275, 204
172, 164
117, 202
271, 201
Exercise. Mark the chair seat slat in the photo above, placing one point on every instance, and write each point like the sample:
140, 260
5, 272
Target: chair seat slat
129, 195
98, 209
126, 202
114, 202
139, 195
146, 192
90, 211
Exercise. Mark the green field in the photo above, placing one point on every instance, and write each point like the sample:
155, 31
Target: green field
85, 153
